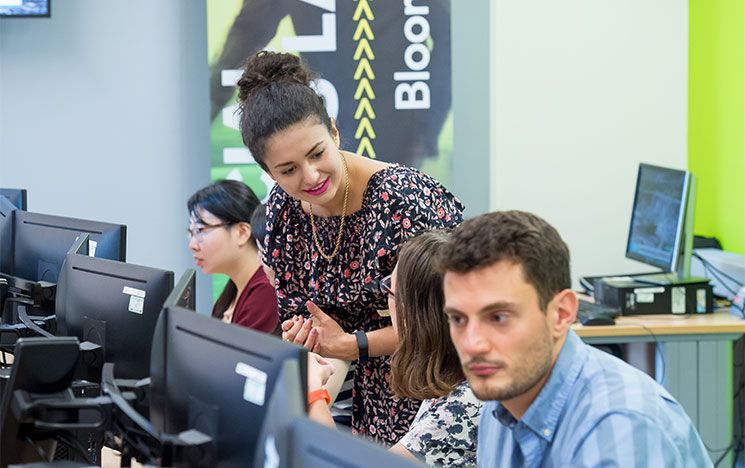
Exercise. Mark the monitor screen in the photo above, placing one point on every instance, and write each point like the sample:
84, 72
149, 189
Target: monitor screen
7, 210
185, 293
316, 446
25, 8
658, 219
114, 305
219, 379
18, 197
40, 243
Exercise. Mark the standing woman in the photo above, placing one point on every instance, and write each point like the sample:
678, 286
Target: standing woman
334, 223
221, 240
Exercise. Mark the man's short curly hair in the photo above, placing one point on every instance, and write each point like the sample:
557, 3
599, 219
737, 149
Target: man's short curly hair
514, 236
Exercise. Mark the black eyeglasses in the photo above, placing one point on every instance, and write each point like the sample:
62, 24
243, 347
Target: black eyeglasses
385, 286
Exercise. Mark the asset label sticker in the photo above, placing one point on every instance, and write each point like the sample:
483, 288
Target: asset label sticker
678, 305
92, 248
701, 300
136, 304
136, 299
655, 290
254, 390
644, 298
134, 292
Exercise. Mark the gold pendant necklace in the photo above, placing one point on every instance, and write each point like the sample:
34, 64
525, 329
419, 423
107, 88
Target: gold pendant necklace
341, 223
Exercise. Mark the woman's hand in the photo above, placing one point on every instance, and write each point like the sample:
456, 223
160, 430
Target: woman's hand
319, 371
297, 330
327, 338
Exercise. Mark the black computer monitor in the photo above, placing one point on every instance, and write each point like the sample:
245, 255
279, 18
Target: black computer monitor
7, 210
661, 228
316, 446
41, 241
221, 380
18, 197
42, 366
114, 305
184, 294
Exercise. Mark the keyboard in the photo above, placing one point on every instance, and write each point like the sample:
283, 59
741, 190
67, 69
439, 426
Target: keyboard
590, 313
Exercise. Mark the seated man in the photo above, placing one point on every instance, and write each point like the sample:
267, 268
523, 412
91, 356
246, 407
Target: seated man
552, 399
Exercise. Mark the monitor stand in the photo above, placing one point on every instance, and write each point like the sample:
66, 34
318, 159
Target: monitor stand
669, 279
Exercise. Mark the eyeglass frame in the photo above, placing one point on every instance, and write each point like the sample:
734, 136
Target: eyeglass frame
385, 286
203, 231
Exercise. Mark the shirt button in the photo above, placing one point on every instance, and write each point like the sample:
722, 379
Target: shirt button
547, 432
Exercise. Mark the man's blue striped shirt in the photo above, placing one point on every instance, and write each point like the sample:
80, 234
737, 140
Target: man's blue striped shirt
595, 410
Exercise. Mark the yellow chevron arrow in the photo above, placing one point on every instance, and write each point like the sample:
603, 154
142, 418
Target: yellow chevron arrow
364, 106
364, 67
364, 87
363, 46
363, 7
366, 146
363, 27
365, 126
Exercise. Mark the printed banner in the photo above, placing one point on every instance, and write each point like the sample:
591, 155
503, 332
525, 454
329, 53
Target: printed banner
385, 74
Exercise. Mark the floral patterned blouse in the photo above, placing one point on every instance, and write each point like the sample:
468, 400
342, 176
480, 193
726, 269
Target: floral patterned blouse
445, 430
398, 202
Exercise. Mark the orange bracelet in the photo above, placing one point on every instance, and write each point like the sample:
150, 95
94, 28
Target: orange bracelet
320, 394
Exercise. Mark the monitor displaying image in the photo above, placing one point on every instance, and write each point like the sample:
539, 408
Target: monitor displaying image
24, 8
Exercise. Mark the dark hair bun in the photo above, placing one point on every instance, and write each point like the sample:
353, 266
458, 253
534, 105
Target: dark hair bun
267, 67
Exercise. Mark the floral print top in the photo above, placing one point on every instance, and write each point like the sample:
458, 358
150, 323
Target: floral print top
445, 430
398, 202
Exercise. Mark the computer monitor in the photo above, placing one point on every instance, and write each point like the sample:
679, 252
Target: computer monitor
7, 210
18, 197
316, 446
184, 294
221, 380
42, 366
114, 305
661, 228
41, 241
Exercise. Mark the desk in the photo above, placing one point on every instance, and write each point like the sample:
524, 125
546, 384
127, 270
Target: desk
694, 364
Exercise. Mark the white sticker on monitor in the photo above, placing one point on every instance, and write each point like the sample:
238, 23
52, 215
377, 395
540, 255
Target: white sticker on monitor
678, 300
136, 304
92, 248
254, 390
134, 292
271, 454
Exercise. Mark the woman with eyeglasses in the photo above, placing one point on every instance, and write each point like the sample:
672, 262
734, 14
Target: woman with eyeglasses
335, 220
425, 365
220, 237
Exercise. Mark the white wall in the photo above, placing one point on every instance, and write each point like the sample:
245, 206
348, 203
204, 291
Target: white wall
581, 92
104, 115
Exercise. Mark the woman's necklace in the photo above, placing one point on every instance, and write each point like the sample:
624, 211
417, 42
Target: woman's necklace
341, 223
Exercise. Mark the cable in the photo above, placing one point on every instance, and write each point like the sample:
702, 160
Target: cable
706, 263
710, 270
70, 441
657, 351
39, 450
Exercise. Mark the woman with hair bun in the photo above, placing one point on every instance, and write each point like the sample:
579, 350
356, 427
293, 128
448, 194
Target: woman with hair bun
335, 221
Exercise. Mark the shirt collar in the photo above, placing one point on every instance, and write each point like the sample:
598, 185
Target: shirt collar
543, 414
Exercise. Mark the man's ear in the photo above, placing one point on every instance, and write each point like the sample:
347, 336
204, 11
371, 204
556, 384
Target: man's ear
564, 309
